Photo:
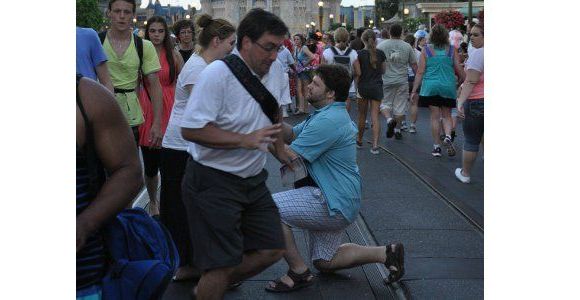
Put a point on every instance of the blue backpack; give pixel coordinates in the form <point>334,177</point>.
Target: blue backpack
<point>143,257</point>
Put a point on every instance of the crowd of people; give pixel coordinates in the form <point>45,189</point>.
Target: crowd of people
<point>206,107</point>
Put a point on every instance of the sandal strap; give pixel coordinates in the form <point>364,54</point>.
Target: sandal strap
<point>297,278</point>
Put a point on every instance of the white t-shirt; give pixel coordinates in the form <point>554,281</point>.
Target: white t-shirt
<point>219,97</point>
<point>329,58</point>
<point>189,75</point>
<point>285,58</point>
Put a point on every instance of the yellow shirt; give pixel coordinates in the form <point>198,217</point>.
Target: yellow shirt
<point>124,75</point>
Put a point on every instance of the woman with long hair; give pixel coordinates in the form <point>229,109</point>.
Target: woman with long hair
<point>303,57</point>
<point>470,105</point>
<point>171,62</point>
<point>436,73</point>
<point>368,70</point>
<point>185,33</point>
<point>216,38</point>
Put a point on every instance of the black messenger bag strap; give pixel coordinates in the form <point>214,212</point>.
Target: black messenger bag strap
<point>253,85</point>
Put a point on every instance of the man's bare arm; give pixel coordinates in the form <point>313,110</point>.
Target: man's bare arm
<point>104,77</point>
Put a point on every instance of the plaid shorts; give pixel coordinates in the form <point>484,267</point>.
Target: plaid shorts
<point>306,208</point>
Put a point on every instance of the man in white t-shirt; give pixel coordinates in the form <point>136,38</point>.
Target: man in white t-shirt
<point>234,222</point>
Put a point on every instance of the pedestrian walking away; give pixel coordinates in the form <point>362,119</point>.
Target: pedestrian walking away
<point>231,118</point>
<point>470,105</point>
<point>370,65</point>
<point>171,63</point>
<point>328,199</point>
<point>399,55</point>
<point>438,74</point>
<point>344,56</point>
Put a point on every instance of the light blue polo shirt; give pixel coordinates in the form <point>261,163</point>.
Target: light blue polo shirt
<point>326,140</point>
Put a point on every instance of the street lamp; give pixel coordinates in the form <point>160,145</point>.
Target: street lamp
<point>320,13</point>
<point>371,23</point>
<point>145,23</point>
<point>406,11</point>
<point>188,17</point>
<point>331,17</point>
<point>382,19</point>
<point>134,20</point>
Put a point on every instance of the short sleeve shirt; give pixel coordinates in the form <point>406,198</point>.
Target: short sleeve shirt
<point>399,56</point>
<point>326,140</point>
<point>124,75</point>
<point>285,58</point>
<point>188,76</point>
<point>475,62</point>
<point>218,97</point>
<point>90,52</point>
<point>329,58</point>
<point>368,74</point>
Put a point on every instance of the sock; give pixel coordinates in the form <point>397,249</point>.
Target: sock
<point>397,129</point>
<point>389,120</point>
<point>435,146</point>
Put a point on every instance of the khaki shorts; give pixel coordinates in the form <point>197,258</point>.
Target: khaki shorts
<point>395,98</point>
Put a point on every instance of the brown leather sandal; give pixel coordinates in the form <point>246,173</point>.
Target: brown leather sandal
<point>300,281</point>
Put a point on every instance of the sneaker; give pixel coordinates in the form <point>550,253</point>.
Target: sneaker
<point>436,152</point>
<point>391,128</point>
<point>412,129</point>
<point>460,176</point>
<point>359,145</point>
<point>284,114</point>
<point>398,135</point>
<point>375,151</point>
<point>449,146</point>
<point>404,126</point>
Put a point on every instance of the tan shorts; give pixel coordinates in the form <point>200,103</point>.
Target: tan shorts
<point>395,98</point>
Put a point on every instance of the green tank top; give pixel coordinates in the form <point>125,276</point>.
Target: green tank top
<point>439,78</point>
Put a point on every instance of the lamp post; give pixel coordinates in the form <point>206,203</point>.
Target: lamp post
<point>371,23</point>
<point>188,17</point>
<point>320,13</point>
<point>307,28</point>
<point>331,17</point>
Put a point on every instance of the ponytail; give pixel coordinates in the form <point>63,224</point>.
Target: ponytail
<point>368,38</point>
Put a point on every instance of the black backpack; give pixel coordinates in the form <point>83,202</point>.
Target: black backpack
<point>343,59</point>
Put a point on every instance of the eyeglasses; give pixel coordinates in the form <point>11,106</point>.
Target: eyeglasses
<point>271,47</point>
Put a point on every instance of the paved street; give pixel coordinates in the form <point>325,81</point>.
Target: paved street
<point>408,196</point>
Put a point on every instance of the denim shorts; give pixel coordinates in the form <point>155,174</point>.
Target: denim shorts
<point>473,124</point>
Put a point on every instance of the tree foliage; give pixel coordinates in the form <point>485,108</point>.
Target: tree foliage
<point>89,15</point>
<point>386,9</point>
<point>412,24</point>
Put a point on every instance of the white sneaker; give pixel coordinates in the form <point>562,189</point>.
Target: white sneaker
<point>412,128</point>
<point>460,176</point>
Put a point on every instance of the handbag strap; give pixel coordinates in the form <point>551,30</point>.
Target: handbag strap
<point>254,87</point>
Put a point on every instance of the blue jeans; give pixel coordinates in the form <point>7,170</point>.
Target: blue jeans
<point>473,124</point>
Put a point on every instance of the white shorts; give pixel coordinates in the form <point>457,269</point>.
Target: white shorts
<point>306,208</point>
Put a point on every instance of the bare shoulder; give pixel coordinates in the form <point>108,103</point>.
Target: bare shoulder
<point>96,99</point>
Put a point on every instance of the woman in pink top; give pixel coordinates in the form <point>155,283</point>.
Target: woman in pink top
<point>171,62</point>
<point>470,105</point>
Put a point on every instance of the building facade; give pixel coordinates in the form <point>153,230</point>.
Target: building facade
<point>295,13</point>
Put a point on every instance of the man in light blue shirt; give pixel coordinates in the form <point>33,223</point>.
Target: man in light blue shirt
<point>328,199</point>
<point>91,59</point>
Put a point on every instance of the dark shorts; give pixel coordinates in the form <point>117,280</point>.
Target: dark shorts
<point>228,215</point>
<point>151,160</point>
<point>426,101</point>
<point>370,91</point>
